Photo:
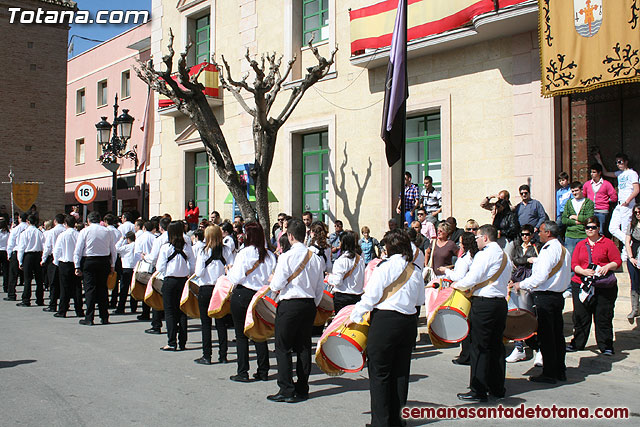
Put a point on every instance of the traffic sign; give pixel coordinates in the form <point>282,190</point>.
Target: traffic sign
<point>86,192</point>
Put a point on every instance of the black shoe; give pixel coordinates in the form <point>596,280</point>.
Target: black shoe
<point>60,315</point>
<point>542,379</point>
<point>472,396</point>
<point>141,317</point>
<point>50,309</point>
<point>85,322</point>
<point>498,395</point>
<point>571,349</point>
<point>203,361</point>
<point>79,313</point>
<point>182,347</point>
<point>458,361</point>
<point>260,377</point>
<point>168,348</point>
<point>104,321</point>
<point>240,378</point>
<point>607,352</point>
<point>23,304</point>
<point>301,396</point>
<point>40,303</point>
<point>10,299</point>
<point>295,399</point>
<point>222,359</point>
<point>279,397</point>
<point>153,331</point>
<point>562,377</point>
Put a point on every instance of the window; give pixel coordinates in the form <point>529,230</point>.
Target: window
<point>423,149</point>
<point>102,93</point>
<point>315,174</point>
<point>125,84</point>
<point>80,101</point>
<point>202,39</point>
<point>315,20</point>
<point>201,175</point>
<point>79,151</point>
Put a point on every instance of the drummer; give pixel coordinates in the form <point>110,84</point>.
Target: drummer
<point>392,330</point>
<point>347,277</point>
<point>487,280</point>
<point>320,246</point>
<point>549,278</point>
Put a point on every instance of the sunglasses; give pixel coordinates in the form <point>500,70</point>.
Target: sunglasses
<point>619,162</point>
<point>471,229</point>
<point>525,234</point>
<point>591,227</point>
<point>524,193</point>
<point>420,214</point>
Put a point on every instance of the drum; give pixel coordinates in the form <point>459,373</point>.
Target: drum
<point>219,306</point>
<point>153,294</point>
<point>368,271</point>
<point>112,279</point>
<point>521,319</point>
<point>189,299</point>
<point>449,323</point>
<point>139,280</point>
<point>325,308</point>
<point>342,349</point>
<point>259,323</point>
<point>266,307</point>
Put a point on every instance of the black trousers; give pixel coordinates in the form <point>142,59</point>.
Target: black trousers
<point>32,269</point>
<point>94,274</point>
<point>70,287</point>
<point>176,319</point>
<point>204,297</point>
<point>14,273</point>
<point>341,300</point>
<point>4,265</point>
<point>549,306</point>
<point>294,322</point>
<point>240,300</point>
<point>465,350</point>
<point>125,282</point>
<point>600,308</point>
<point>115,293</point>
<point>53,279</point>
<point>488,318</point>
<point>389,344</point>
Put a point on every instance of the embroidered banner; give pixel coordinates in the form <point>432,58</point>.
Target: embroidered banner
<point>587,44</point>
<point>25,195</point>
<point>372,26</point>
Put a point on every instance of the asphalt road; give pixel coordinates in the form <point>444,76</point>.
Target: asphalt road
<point>55,372</point>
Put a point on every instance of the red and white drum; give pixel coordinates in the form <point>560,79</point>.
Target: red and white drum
<point>448,322</point>
<point>266,308</point>
<point>325,308</point>
<point>521,319</point>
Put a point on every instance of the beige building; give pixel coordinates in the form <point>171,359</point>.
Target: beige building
<point>476,121</point>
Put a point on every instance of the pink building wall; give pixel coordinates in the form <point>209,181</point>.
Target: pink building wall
<point>106,61</point>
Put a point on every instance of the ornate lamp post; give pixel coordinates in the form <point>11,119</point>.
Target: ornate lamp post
<point>115,147</point>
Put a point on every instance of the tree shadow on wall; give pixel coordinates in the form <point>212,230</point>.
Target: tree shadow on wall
<point>350,216</point>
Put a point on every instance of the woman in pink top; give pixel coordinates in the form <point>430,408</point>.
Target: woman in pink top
<point>601,192</point>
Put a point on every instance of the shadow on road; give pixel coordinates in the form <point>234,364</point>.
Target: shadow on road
<point>14,363</point>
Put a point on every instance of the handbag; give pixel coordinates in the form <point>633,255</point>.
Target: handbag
<point>428,274</point>
<point>607,281</point>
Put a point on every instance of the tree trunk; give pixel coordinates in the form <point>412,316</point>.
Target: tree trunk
<point>263,140</point>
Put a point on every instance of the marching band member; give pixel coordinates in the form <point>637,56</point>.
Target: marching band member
<point>299,279</point>
<point>50,269</point>
<point>29,251</point>
<point>126,250</point>
<point>320,246</point>
<point>550,276</point>
<point>70,284</point>
<point>94,258</point>
<point>210,263</point>
<point>487,280</point>
<point>392,294</point>
<point>198,241</point>
<point>12,254</point>
<point>229,240</point>
<point>111,220</point>
<point>127,223</point>
<point>176,262</point>
<point>152,258</point>
<point>251,269</point>
<point>144,245</point>
<point>347,277</point>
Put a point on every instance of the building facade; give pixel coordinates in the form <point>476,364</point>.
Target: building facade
<point>476,121</point>
<point>95,77</point>
<point>32,115</point>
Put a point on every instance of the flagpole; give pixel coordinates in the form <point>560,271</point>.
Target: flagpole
<point>403,154</point>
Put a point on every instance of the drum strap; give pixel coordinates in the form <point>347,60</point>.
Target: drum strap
<point>355,264</point>
<point>176,253</point>
<point>415,256</point>
<point>558,266</point>
<point>430,263</point>
<point>397,284</point>
<point>251,270</point>
<point>216,254</point>
<point>301,267</point>
<point>491,279</point>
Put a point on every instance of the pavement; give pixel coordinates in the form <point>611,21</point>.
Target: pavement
<point>55,372</point>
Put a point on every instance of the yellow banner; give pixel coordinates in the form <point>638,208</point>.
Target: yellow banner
<point>587,44</point>
<point>25,195</point>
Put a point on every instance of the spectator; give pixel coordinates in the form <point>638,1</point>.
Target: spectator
<point>369,245</point>
<point>307,219</point>
<point>192,214</point>
<point>472,226</point>
<point>455,231</point>
<point>431,200</point>
<point>334,239</point>
<point>393,224</point>
<point>215,218</point>
<point>444,250</point>
<point>506,222</point>
<point>562,195</point>
<point>411,199</point>
<point>576,212</point>
<point>487,203</point>
<point>632,246</point>
<point>530,211</point>
<point>427,228</point>
<point>418,239</point>
<point>601,192</point>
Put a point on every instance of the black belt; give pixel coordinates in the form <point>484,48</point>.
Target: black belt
<point>487,298</point>
<point>547,293</point>
<point>97,257</point>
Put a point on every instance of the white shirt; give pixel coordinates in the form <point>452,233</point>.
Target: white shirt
<point>178,266</point>
<point>626,180</point>
<point>485,264</point>
<point>152,257</point>
<point>596,185</point>
<point>244,261</point>
<point>404,301</point>
<point>50,238</point>
<point>308,284</point>
<point>197,247</point>
<point>126,227</point>
<point>14,234</point>
<point>31,240</point>
<point>127,253</point>
<point>577,204</point>
<point>95,240</point>
<point>116,234</point>
<point>418,256</point>
<point>460,269</point>
<point>144,243</point>
<point>327,264</point>
<point>65,246</point>
<point>352,284</point>
<point>4,239</point>
<point>209,274</point>
<point>228,242</point>
<point>548,257</point>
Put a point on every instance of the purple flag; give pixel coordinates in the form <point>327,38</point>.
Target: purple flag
<point>396,90</point>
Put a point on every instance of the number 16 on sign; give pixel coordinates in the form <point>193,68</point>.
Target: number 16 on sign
<point>85,193</point>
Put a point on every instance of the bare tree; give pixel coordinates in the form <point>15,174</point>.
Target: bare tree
<point>187,94</point>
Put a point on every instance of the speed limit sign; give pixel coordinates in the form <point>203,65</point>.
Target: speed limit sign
<point>86,192</point>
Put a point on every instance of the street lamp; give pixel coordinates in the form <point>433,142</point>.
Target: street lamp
<point>115,147</point>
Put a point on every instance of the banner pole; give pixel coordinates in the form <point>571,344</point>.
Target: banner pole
<point>11,184</point>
